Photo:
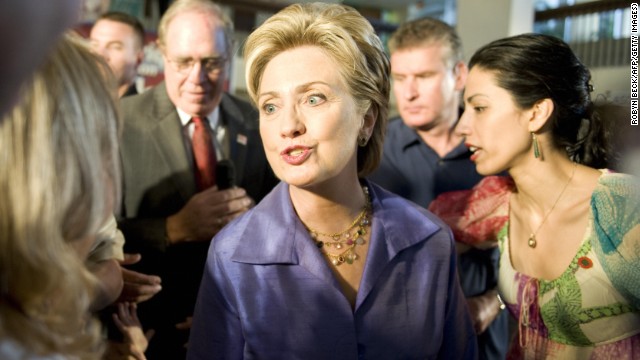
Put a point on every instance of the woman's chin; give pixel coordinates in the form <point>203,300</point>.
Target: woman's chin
<point>486,170</point>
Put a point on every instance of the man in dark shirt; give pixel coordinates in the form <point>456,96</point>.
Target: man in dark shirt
<point>424,157</point>
<point>414,170</point>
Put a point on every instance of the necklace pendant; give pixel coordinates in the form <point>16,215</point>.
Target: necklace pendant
<point>349,257</point>
<point>532,241</point>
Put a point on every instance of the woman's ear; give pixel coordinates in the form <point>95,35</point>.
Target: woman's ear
<point>369,122</point>
<point>540,114</point>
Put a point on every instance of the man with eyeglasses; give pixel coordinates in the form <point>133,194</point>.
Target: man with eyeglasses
<point>174,135</point>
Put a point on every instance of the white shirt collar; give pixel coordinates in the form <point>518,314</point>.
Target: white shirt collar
<point>213,117</point>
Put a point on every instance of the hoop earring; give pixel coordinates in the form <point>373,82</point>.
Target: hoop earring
<point>536,146</point>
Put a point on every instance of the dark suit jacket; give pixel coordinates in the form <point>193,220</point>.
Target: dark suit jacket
<point>158,181</point>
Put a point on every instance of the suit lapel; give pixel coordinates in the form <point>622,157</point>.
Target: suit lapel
<point>238,134</point>
<point>168,139</point>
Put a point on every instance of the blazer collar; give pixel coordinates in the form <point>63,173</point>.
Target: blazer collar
<point>164,108</point>
<point>166,131</point>
<point>274,234</point>
<point>238,130</point>
<point>271,231</point>
<point>167,124</point>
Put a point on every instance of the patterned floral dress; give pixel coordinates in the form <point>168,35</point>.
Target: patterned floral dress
<point>592,310</point>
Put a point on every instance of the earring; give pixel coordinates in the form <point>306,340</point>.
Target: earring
<point>536,147</point>
<point>362,141</point>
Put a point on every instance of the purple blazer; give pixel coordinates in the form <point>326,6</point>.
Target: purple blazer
<point>268,293</point>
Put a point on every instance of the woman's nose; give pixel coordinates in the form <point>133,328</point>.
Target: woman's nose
<point>292,122</point>
<point>462,127</point>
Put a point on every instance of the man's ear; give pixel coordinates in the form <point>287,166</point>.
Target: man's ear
<point>460,71</point>
<point>540,114</point>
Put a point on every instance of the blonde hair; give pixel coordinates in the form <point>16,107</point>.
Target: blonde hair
<point>206,6</point>
<point>346,37</point>
<point>425,32</point>
<point>59,179</point>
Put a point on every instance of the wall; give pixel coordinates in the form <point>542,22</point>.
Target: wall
<point>479,24</point>
<point>612,82</point>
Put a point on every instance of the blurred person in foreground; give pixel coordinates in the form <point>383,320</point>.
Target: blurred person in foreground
<point>570,248</point>
<point>30,28</point>
<point>424,157</point>
<point>175,135</point>
<point>59,181</point>
<point>328,265</point>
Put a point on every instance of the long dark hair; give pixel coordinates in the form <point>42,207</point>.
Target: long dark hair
<point>532,67</point>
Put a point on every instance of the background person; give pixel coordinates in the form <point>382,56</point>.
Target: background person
<point>171,210</point>
<point>119,38</point>
<point>424,157</point>
<point>328,265</point>
<point>570,250</point>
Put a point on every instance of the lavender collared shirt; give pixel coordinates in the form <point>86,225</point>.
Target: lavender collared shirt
<point>268,293</point>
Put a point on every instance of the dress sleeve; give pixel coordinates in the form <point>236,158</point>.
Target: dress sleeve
<point>616,220</point>
<point>476,215</point>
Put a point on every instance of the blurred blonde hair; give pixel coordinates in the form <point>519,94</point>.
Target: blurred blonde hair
<point>346,37</point>
<point>59,179</point>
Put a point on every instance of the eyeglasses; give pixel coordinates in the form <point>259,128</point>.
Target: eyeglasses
<point>211,65</point>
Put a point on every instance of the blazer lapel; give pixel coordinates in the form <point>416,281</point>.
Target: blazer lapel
<point>238,134</point>
<point>282,238</point>
<point>396,226</point>
<point>168,139</point>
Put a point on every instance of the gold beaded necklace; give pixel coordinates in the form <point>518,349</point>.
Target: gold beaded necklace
<point>346,240</point>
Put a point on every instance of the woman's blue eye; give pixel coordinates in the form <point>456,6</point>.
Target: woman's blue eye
<point>315,99</point>
<point>269,108</point>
